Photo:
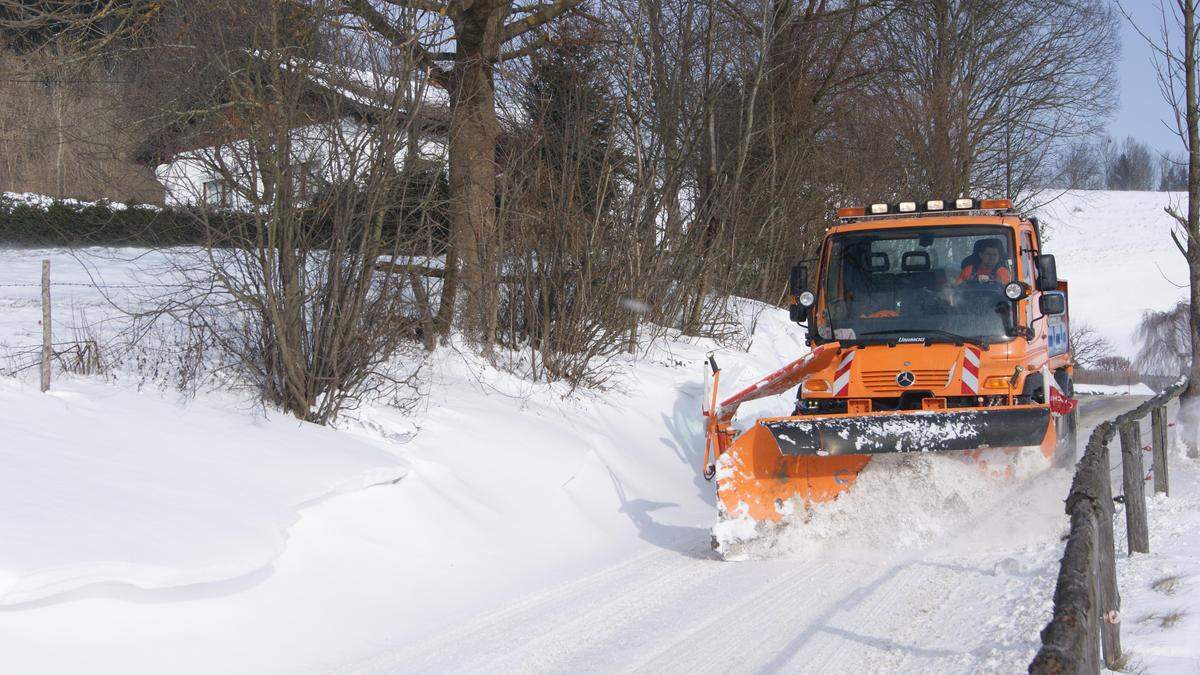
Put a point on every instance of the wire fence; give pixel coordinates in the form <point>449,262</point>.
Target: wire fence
<point>82,284</point>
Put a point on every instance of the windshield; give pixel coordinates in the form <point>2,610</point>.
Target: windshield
<point>921,282</point>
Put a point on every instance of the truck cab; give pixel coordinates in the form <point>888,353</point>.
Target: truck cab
<point>937,305</point>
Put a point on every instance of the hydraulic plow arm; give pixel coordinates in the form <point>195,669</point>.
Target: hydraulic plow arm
<point>779,381</point>
<point>717,435</point>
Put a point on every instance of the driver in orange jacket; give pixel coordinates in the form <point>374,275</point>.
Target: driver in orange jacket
<point>984,266</point>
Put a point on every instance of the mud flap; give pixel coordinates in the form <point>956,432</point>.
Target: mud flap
<point>910,432</point>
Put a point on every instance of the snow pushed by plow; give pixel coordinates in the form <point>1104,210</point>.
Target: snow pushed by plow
<point>899,502</point>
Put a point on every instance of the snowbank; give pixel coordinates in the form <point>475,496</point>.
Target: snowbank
<point>105,485</point>
<point>1138,389</point>
<point>1160,590</point>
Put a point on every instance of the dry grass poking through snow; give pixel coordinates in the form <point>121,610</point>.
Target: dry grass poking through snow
<point>1167,620</point>
<point>1168,585</point>
<point>1128,664</point>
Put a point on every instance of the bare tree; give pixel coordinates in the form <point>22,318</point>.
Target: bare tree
<point>1166,341</point>
<point>1088,347</point>
<point>312,164</point>
<point>483,34</point>
<point>1114,364</point>
<point>982,94</point>
<point>1131,167</point>
<point>1172,173</point>
<point>1081,167</point>
<point>1175,49</point>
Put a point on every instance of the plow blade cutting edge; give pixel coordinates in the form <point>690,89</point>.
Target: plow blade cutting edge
<point>878,433</point>
<point>816,458</point>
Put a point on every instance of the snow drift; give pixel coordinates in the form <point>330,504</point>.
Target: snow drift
<point>105,485</point>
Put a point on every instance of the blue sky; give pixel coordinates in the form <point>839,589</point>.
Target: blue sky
<point>1142,108</point>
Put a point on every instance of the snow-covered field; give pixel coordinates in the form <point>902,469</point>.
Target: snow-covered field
<point>1115,250</point>
<point>503,526</point>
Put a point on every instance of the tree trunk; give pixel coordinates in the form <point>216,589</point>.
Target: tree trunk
<point>473,134</point>
<point>1191,397</point>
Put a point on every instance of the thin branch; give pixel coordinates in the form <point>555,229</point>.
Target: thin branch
<point>547,13</point>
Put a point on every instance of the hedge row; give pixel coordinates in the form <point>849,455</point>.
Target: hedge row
<point>83,224</point>
<point>70,223</point>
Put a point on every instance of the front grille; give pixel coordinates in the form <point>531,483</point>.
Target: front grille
<point>885,380</point>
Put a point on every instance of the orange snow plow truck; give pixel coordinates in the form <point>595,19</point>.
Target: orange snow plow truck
<point>935,327</point>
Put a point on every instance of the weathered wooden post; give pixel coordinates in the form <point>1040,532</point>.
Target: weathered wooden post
<point>1158,438</point>
<point>1110,597</point>
<point>47,333</point>
<point>1091,656</point>
<point>1134,474</point>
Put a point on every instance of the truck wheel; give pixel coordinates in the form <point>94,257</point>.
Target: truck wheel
<point>1067,429</point>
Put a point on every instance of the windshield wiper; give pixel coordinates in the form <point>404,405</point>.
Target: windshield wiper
<point>959,339</point>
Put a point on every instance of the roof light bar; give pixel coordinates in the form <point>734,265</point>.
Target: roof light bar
<point>958,204</point>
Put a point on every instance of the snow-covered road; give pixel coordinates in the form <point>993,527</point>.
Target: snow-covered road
<point>972,600</point>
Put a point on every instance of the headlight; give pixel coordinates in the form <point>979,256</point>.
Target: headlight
<point>877,209</point>
<point>807,299</point>
<point>935,205</point>
<point>907,207</point>
<point>964,203</point>
<point>1014,291</point>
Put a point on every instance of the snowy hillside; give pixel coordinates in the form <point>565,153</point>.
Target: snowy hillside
<point>1115,250</point>
<point>504,526</point>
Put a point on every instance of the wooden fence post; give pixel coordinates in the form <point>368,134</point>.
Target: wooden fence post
<point>1110,597</point>
<point>47,333</point>
<point>1134,474</point>
<point>1158,434</point>
<point>1095,617</point>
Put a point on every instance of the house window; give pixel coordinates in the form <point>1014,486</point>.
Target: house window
<point>216,193</point>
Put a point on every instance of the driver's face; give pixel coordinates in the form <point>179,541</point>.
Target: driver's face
<point>989,257</point>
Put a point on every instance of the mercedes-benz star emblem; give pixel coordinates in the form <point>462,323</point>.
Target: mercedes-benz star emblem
<point>905,379</point>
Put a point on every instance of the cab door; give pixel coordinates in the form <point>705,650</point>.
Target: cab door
<point>1028,251</point>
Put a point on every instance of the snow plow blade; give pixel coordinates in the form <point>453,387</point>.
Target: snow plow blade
<point>781,461</point>
<point>920,431</point>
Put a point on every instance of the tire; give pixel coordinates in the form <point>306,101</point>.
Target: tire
<point>1067,432</point>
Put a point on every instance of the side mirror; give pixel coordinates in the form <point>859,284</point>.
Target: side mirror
<point>1053,303</point>
<point>798,279</point>
<point>1047,273</point>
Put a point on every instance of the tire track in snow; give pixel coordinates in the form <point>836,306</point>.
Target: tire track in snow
<point>489,638</point>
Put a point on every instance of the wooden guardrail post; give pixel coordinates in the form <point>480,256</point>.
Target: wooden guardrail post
<point>1110,597</point>
<point>1091,655</point>
<point>1134,474</point>
<point>1070,642</point>
<point>1158,439</point>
